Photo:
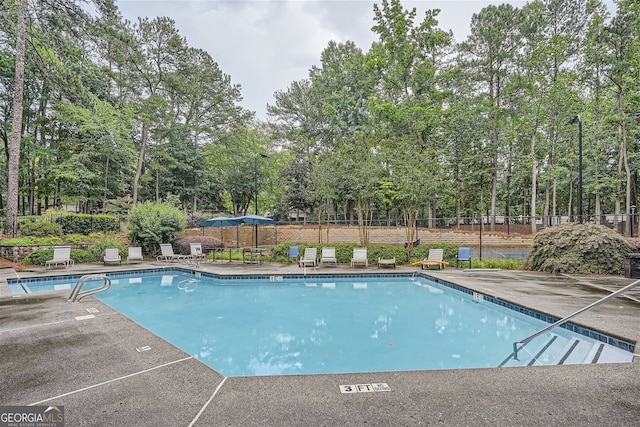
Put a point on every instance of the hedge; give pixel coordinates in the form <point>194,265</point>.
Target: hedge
<point>85,224</point>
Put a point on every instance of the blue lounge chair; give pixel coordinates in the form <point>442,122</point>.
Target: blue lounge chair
<point>464,255</point>
<point>293,253</point>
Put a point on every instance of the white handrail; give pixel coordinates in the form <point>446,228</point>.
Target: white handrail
<point>569,317</point>
<point>77,293</point>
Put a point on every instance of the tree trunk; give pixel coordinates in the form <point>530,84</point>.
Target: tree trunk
<point>534,184</point>
<point>11,225</point>
<point>143,145</point>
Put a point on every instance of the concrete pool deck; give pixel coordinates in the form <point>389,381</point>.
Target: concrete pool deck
<point>85,356</point>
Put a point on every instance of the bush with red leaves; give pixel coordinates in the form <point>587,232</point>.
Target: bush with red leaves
<point>183,244</point>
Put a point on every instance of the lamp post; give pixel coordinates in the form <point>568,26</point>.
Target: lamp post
<point>508,207</point>
<point>578,120</point>
<point>255,183</point>
<point>633,214</point>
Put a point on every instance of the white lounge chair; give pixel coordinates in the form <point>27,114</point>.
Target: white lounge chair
<point>309,257</point>
<point>359,257</point>
<point>196,252</point>
<point>61,256</point>
<point>134,254</point>
<point>167,253</point>
<point>390,262</point>
<point>434,259</point>
<point>328,256</point>
<point>112,256</point>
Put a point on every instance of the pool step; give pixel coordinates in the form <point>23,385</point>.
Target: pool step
<point>557,350</point>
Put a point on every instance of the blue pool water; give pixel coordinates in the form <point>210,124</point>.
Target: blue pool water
<point>305,325</point>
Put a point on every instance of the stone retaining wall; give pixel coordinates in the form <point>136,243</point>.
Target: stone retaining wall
<point>243,235</point>
<point>19,253</point>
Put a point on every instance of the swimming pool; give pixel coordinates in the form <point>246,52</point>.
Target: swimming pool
<point>279,325</point>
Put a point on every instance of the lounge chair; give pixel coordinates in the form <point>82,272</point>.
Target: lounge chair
<point>112,256</point>
<point>293,253</point>
<point>61,256</point>
<point>167,253</point>
<point>134,254</point>
<point>196,252</point>
<point>309,257</point>
<point>433,259</point>
<point>387,262</point>
<point>464,255</point>
<point>328,256</point>
<point>359,257</point>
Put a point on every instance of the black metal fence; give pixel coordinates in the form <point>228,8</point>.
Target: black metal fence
<point>500,223</point>
<point>8,226</point>
<point>523,225</point>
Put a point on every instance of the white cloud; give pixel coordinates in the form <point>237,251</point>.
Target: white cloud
<point>265,45</point>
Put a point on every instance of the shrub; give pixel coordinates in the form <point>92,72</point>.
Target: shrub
<point>32,241</point>
<point>183,244</point>
<point>151,224</point>
<point>118,207</point>
<point>76,239</point>
<point>102,241</point>
<point>41,256</point>
<point>344,251</point>
<point>83,223</point>
<point>501,263</point>
<point>384,251</point>
<point>41,229</point>
<point>578,249</point>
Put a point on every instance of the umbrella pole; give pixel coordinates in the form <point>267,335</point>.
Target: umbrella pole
<point>256,234</point>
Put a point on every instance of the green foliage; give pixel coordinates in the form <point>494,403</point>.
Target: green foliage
<point>118,207</point>
<point>578,249</point>
<point>40,229</point>
<point>105,241</point>
<point>76,239</point>
<point>151,224</point>
<point>344,251</point>
<point>32,241</point>
<point>82,223</point>
<point>386,252</point>
<point>196,218</point>
<point>501,263</point>
<point>173,200</point>
<point>41,256</point>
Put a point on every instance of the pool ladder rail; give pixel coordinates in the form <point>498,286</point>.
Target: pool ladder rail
<point>77,293</point>
<point>518,345</point>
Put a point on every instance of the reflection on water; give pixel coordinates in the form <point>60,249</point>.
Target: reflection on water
<point>345,325</point>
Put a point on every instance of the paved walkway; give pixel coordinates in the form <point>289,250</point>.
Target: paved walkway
<point>53,353</point>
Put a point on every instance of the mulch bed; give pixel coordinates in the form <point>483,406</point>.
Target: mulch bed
<point>5,263</point>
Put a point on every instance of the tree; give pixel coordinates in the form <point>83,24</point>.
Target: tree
<point>624,62</point>
<point>405,62</point>
<point>13,163</point>
<point>151,224</point>
<point>490,51</point>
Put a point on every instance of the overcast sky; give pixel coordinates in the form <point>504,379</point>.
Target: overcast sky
<point>264,45</point>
